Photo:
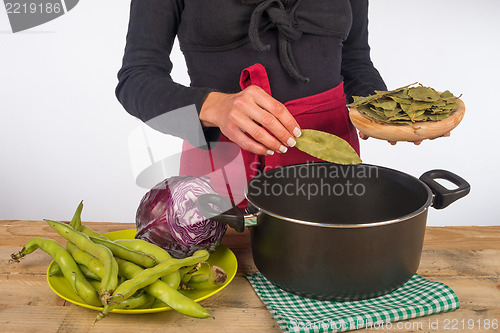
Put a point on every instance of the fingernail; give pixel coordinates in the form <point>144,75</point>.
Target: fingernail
<point>291,142</point>
<point>270,152</point>
<point>297,132</point>
<point>283,149</point>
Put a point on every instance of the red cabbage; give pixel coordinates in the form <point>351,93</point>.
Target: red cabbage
<point>168,217</point>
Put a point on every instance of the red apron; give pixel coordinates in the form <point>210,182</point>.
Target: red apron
<point>230,168</point>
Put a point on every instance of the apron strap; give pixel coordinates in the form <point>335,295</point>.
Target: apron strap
<point>255,75</point>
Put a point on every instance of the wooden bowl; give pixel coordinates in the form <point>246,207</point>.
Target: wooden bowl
<point>405,132</point>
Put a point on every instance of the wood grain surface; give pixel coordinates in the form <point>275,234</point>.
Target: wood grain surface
<point>465,258</point>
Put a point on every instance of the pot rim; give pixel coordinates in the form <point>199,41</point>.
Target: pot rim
<point>423,208</point>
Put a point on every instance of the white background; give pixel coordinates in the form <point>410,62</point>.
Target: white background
<point>64,137</point>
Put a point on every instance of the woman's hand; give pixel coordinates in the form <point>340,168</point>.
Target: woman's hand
<point>253,112</point>
<point>365,137</point>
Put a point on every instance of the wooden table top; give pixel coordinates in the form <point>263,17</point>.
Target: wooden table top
<point>465,258</point>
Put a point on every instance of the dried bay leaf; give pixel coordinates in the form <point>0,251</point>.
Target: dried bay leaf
<point>451,106</point>
<point>408,104</point>
<point>378,110</point>
<point>385,104</point>
<point>391,113</point>
<point>383,93</point>
<point>401,116</point>
<point>419,105</point>
<point>400,100</point>
<point>371,112</point>
<point>362,100</point>
<point>439,103</point>
<point>418,115</point>
<point>405,107</point>
<point>424,94</point>
<point>447,95</point>
<point>402,94</point>
<point>326,146</point>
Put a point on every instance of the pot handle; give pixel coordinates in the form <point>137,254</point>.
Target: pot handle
<point>231,215</point>
<point>443,196</point>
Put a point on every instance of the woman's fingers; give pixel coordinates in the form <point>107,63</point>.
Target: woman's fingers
<point>258,123</point>
<point>274,116</point>
<point>247,143</point>
<point>252,119</point>
<point>244,124</point>
<point>263,136</point>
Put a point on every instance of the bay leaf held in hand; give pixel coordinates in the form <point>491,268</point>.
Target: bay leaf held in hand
<point>326,146</point>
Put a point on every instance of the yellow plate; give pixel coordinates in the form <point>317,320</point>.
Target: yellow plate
<point>222,257</point>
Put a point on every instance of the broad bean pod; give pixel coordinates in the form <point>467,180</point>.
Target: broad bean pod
<point>89,274</point>
<point>173,279</point>
<point>140,300</point>
<point>160,290</point>
<point>86,259</point>
<point>206,277</point>
<point>164,293</point>
<point>91,232</point>
<point>69,267</point>
<point>123,252</point>
<point>149,276</point>
<point>76,221</point>
<point>55,269</point>
<point>109,281</point>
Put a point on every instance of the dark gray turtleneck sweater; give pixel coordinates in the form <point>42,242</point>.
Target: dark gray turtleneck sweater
<point>306,46</point>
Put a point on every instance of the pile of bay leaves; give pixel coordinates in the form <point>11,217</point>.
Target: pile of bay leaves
<point>407,104</point>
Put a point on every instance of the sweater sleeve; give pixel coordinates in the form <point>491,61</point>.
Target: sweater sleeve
<point>145,87</point>
<point>361,78</point>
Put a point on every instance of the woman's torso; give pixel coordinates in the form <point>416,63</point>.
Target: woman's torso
<point>214,37</point>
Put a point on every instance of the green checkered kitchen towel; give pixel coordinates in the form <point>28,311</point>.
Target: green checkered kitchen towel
<point>416,298</point>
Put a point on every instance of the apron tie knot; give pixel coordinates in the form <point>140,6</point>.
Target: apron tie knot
<point>288,32</point>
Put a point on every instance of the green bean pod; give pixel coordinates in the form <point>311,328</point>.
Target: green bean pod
<point>173,279</point>
<point>55,269</point>
<point>206,277</point>
<point>69,268</point>
<point>91,232</point>
<point>86,259</point>
<point>123,252</point>
<point>202,282</point>
<point>149,276</point>
<point>187,272</point>
<point>76,221</point>
<point>109,281</point>
<point>140,300</point>
<point>158,303</point>
<point>149,304</point>
<point>164,293</point>
<point>89,274</point>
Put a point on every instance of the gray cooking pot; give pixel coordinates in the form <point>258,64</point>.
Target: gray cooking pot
<point>337,232</point>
